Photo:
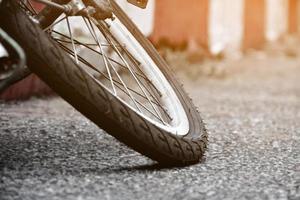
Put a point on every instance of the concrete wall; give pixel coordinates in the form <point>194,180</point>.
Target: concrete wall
<point>298,16</point>
<point>254,23</point>
<point>181,21</point>
<point>293,7</point>
<point>228,25</point>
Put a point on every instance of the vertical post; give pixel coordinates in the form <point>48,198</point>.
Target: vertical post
<point>226,26</point>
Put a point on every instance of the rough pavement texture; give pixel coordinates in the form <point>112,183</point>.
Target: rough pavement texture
<point>49,151</point>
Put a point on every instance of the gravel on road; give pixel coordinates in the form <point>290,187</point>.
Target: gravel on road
<point>50,151</point>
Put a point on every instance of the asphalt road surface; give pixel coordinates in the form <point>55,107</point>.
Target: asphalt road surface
<point>50,151</point>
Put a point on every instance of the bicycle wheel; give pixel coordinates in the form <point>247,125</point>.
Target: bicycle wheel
<point>112,74</point>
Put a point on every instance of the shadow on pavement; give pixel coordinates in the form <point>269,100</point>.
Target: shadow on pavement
<point>54,156</point>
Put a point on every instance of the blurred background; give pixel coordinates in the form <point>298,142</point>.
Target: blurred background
<point>207,37</point>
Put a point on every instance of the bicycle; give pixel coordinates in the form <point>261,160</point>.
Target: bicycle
<point>92,55</point>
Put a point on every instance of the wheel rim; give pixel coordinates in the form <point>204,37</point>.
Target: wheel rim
<point>110,54</point>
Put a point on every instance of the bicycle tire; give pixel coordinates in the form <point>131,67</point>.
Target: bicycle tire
<point>59,71</point>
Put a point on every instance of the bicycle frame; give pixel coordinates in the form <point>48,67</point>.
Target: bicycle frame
<point>75,7</point>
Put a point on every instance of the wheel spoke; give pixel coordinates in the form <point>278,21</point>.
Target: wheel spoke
<point>73,45</point>
<point>84,61</point>
<point>80,43</point>
<point>119,84</point>
<point>112,66</point>
<point>137,64</point>
<point>86,46</point>
<point>93,33</point>
<point>134,76</point>
<point>128,92</point>
<point>148,91</point>
<point>146,79</point>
